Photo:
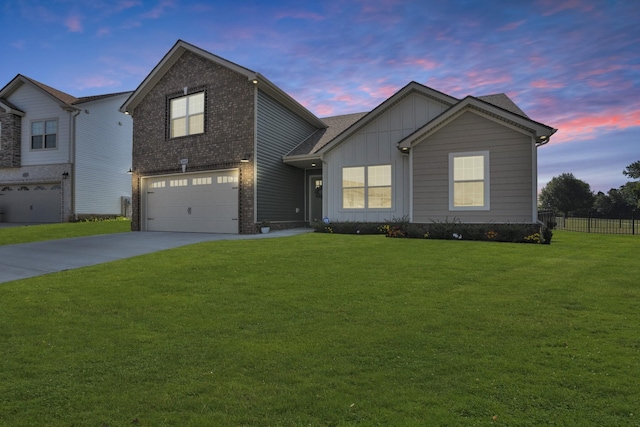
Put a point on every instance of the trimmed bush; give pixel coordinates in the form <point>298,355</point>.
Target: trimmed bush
<point>443,230</point>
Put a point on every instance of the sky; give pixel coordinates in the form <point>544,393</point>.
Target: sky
<point>570,64</point>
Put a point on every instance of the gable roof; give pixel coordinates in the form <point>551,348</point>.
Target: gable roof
<point>540,131</point>
<point>412,87</point>
<point>65,100</point>
<point>180,47</point>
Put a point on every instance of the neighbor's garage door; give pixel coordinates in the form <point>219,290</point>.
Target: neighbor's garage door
<point>31,203</point>
<point>203,202</point>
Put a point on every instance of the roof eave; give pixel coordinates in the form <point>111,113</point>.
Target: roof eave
<point>540,132</point>
<point>306,161</point>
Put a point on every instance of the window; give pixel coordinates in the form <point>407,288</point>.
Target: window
<point>368,187</point>
<point>469,181</point>
<point>201,181</point>
<point>187,115</point>
<point>44,134</point>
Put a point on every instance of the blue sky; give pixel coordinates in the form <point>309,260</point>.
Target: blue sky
<point>571,64</point>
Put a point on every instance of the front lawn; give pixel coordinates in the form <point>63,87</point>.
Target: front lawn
<point>36,233</point>
<point>323,329</point>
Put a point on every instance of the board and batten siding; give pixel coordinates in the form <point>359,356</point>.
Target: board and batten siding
<point>39,106</point>
<point>511,176</point>
<point>376,144</point>
<point>280,187</point>
<point>103,157</point>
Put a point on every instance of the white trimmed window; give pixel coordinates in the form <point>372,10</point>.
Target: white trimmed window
<point>44,134</point>
<point>366,186</point>
<point>187,115</point>
<point>469,181</point>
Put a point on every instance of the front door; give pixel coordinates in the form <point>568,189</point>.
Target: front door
<point>315,198</point>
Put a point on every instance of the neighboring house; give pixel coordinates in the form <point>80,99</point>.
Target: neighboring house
<point>62,157</point>
<point>218,148</point>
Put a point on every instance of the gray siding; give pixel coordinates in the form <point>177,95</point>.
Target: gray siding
<point>280,187</point>
<point>376,144</point>
<point>511,175</point>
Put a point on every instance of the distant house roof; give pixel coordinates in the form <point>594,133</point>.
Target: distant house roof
<point>61,97</point>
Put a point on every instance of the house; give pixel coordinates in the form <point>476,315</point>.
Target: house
<point>62,157</point>
<point>218,148</point>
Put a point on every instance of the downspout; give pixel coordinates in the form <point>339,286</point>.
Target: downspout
<point>72,158</point>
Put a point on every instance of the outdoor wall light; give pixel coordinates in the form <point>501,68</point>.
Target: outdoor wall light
<point>130,171</point>
<point>246,158</point>
<point>313,165</point>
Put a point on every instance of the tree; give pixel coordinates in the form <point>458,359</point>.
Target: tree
<point>633,170</point>
<point>616,203</point>
<point>566,193</point>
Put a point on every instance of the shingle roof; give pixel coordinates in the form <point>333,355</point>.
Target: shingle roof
<point>335,126</point>
<point>503,101</point>
<point>97,97</point>
<point>70,99</point>
<point>58,94</point>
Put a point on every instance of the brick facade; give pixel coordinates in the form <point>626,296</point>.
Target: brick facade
<point>228,137</point>
<point>10,133</point>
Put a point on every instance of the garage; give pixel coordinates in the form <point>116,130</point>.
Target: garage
<point>31,203</point>
<point>204,202</point>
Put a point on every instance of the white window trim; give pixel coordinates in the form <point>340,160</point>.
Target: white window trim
<point>187,114</point>
<point>487,184</point>
<point>366,189</point>
<point>44,124</point>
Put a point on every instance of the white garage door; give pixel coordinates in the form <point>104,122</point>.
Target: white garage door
<point>31,203</point>
<point>202,202</point>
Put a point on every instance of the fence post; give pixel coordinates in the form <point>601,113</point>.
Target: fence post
<point>633,222</point>
<point>589,223</point>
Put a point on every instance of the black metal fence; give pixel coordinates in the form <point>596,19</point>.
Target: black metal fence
<point>593,223</point>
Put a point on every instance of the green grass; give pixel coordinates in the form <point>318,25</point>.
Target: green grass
<point>330,330</point>
<point>36,233</point>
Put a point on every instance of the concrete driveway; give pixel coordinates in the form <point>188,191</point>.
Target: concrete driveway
<point>34,259</point>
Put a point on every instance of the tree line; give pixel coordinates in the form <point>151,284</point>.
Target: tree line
<point>566,193</point>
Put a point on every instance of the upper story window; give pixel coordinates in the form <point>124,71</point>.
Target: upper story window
<point>469,181</point>
<point>187,115</point>
<point>44,134</point>
<point>366,186</point>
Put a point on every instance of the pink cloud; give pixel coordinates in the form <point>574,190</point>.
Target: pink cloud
<point>126,4</point>
<point>422,63</point>
<point>104,31</point>
<point>551,7</point>
<point>159,9</point>
<point>73,23</point>
<point>599,71</point>
<point>511,26</point>
<point>545,84</point>
<point>593,125</point>
<point>19,44</point>
<point>477,79</point>
<point>97,81</point>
